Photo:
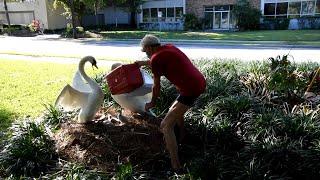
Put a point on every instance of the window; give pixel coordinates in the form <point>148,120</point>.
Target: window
<point>222,8</point>
<point>318,7</point>
<point>170,14</point>
<point>307,7</point>
<point>162,13</point>
<point>269,8</point>
<point>154,14</point>
<point>208,17</point>
<point>291,8</point>
<point>294,8</point>
<point>179,13</point>
<point>145,15</point>
<point>282,9</point>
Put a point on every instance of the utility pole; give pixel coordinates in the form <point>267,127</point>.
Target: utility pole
<point>7,15</point>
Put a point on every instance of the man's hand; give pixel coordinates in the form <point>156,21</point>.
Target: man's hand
<point>149,106</point>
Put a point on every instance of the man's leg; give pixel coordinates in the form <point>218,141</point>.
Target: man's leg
<point>182,130</point>
<point>175,113</point>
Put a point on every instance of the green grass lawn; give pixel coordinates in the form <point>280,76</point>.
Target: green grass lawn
<point>26,86</point>
<point>276,35</point>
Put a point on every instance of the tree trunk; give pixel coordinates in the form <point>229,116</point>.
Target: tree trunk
<point>133,19</point>
<point>74,30</point>
<point>7,15</point>
<point>96,13</point>
<point>115,13</point>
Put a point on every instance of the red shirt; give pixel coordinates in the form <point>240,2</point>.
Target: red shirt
<point>172,63</point>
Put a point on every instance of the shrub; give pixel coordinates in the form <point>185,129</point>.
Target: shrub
<point>69,31</point>
<point>30,151</point>
<point>242,10</point>
<point>285,80</point>
<point>309,22</point>
<point>191,22</point>
<point>275,24</point>
<point>73,171</point>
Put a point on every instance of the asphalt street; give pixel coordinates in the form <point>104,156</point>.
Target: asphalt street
<point>53,47</point>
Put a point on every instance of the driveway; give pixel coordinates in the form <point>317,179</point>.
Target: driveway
<point>53,46</point>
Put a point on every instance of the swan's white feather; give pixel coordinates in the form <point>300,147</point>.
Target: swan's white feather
<point>87,97</point>
<point>70,98</point>
<point>79,84</point>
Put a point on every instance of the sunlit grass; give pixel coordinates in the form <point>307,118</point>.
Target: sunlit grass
<point>26,86</point>
<point>275,35</point>
<point>61,55</point>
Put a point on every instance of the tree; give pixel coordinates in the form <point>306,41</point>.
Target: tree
<point>74,9</point>
<point>248,18</point>
<point>7,15</point>
<point>96,5</point>
<point>133,6</point>
<point>74,30</point>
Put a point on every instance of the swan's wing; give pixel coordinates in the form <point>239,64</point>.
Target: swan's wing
<point>79,84</point>
<point>71,99</point>
<point>146,86</point>
<point>133,103</point>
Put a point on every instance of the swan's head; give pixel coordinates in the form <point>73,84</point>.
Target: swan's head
<point>91,59</point>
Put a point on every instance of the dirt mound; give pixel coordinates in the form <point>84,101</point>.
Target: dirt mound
<point>113,139</point>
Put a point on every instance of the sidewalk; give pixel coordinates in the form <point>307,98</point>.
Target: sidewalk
<point>129,50</point>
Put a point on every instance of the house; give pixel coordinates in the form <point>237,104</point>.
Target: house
<point>108,16</point>
<point>166,14</point>
<point>24,12</point>
<point>162,15</point>
<point>217,14</point>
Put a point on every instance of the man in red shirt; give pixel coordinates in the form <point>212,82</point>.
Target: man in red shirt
<point>167,60</point>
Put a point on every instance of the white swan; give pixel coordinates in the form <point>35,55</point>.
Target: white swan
<point>136,100</point>
<point>87,97</point>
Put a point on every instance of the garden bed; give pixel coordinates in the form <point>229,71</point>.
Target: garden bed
<point>251,123</point>
<point>105,142</point>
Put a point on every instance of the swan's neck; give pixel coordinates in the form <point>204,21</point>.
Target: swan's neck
<point>91,82</point>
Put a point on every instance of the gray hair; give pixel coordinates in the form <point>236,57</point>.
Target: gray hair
<point>150,40</point>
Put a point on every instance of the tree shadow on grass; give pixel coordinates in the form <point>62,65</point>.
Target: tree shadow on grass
<point>6,118</point>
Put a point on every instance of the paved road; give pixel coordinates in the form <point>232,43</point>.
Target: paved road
<point>52,45</point>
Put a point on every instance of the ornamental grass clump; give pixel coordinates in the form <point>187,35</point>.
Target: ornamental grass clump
<point>253,115</point>
<point>73,171</point>
<point>29,151</point>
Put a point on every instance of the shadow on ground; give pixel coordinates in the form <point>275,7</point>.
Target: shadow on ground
<point>6,118</point>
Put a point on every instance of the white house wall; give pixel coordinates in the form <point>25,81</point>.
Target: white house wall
<point>163,4</point>
<point>55,18</point>
<point>22,13</point>
<point>116,16</point>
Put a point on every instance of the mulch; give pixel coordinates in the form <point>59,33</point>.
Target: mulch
<point>114,139</point>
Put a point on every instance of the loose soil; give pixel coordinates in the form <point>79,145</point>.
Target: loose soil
<point>115,138</point>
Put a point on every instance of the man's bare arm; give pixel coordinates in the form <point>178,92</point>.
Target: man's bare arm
<point>155,93</point>
<point>155,89</point>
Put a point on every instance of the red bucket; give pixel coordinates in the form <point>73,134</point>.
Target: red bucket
<point>124,79</point>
